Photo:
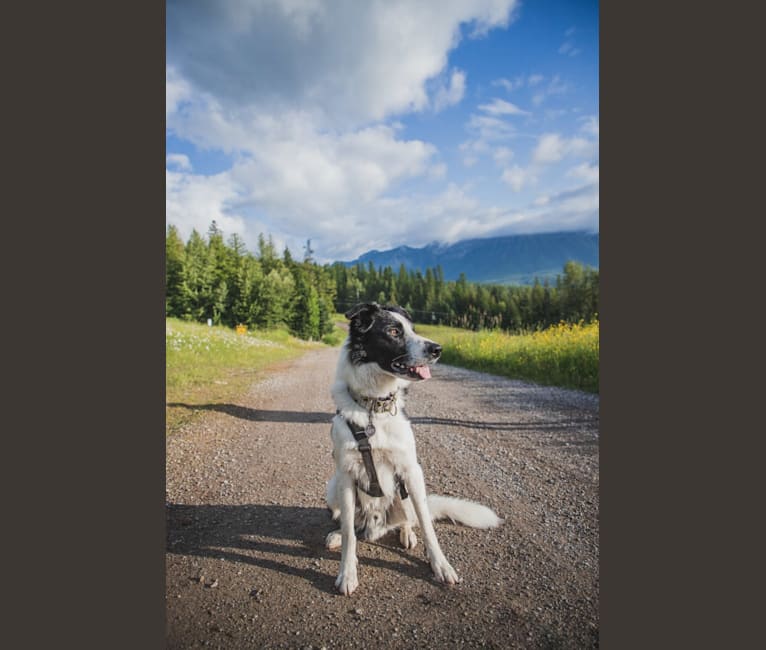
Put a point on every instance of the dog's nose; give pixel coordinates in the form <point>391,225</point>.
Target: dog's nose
<point>435,350</point>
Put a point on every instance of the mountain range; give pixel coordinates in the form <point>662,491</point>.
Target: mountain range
<point>513,259</point>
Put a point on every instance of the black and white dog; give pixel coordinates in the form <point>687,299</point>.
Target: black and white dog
<point>378,484</point>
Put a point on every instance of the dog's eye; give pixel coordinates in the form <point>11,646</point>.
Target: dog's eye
<point>394,332</point>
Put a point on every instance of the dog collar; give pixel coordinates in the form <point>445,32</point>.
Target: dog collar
<point>377,404</point>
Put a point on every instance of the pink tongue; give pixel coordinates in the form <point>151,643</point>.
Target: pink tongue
<point>423,371</point>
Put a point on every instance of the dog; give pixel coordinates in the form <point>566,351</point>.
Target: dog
<point>378,484</point>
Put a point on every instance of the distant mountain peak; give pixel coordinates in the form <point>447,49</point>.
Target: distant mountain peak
<point>509,259</point>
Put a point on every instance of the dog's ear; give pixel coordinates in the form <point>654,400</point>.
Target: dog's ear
<point>399,310</point>
<point>363,315</point>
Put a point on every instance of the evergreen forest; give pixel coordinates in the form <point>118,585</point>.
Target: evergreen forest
<point>210,277</point>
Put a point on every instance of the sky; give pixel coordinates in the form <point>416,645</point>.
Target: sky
<point>372,124</point>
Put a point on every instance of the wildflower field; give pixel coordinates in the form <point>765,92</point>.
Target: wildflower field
<point>563,355</point>
<point>212,364</point>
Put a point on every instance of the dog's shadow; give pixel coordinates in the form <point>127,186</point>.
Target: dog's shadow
<point>285,539</point>
<point>313,417</point>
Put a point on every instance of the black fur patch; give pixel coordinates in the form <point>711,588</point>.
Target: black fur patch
<point>377,336</point>
<point>369,338</point>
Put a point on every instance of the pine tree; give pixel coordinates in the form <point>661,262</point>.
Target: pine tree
<point>175,259</point>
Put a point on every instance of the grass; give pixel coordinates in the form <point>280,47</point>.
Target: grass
<point>563,355</point>
<point>206,365</point>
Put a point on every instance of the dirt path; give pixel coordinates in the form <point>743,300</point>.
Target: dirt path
<point>246,564</point>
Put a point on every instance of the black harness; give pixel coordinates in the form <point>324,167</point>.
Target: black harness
<point>362,436</point>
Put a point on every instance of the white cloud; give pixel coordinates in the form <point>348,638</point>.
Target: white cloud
<point>302,95</point>
<point>438,171</point>
<point>568,46</point>
<point>509,84</point>
<point>555,87</point>
<point>193,201</point>
<point>322,173</point>
<point>296,93</point>
<point>590,125</point>
<point>575,209</point>
<point>347,62</point>
<point>490,129</point>
<point>485,130</point>
<point>517,177</point>
<point>502,107</point>
<point>179,161</point>
<point>447,96</point>
<point>177,91</point>
<point>552,147</point>
<point>310,182</point>
<point>585,172</point>
<point>519,82</point>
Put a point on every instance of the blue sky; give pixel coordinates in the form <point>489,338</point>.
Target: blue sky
<point>366,125</point>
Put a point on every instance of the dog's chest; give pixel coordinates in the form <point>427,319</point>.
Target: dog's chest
<point>390,446</point>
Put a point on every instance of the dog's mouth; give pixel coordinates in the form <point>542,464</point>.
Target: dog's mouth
<point>417,373</point>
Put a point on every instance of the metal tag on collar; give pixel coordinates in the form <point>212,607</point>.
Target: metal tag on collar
<point>369,430</point>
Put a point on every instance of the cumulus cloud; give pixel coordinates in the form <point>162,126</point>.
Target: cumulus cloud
<point>346,61</point>
<point>177,90</point>
<point>517,177</point>
<point>452,94</point>
<point>552,147</point>
<point>302,95</point>
<point>485,131</point>
<point>193,201</point>
<point>502,107</point>
<point>179,161</point>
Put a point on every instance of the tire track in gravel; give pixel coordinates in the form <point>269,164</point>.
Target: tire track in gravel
<point>246,565</point>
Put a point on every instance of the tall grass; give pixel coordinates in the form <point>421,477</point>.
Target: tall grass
<point>563,355</point>
<point>207,365</point>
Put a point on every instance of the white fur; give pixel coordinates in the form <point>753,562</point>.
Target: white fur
<point>393,452</point>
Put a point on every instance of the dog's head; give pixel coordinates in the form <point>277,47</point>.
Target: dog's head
<point>384,335</point>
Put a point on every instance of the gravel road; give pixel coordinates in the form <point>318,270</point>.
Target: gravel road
<point>246,565</point>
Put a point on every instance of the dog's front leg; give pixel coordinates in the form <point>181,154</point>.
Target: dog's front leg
<point>417,488</point>
<point>347,580</point>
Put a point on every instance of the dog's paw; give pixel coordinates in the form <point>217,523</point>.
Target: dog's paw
<point>444,572</point>
<point>347,581</point>
<point>333,541</point>
<point>407,537</point>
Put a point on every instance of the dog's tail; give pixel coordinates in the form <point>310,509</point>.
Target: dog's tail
<point>468,513</point>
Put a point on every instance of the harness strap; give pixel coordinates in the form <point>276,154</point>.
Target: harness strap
<point>364,447</point>
<point>363,444</point>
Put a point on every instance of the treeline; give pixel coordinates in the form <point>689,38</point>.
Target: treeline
<point>207,277</point>
<point>430,299</point>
